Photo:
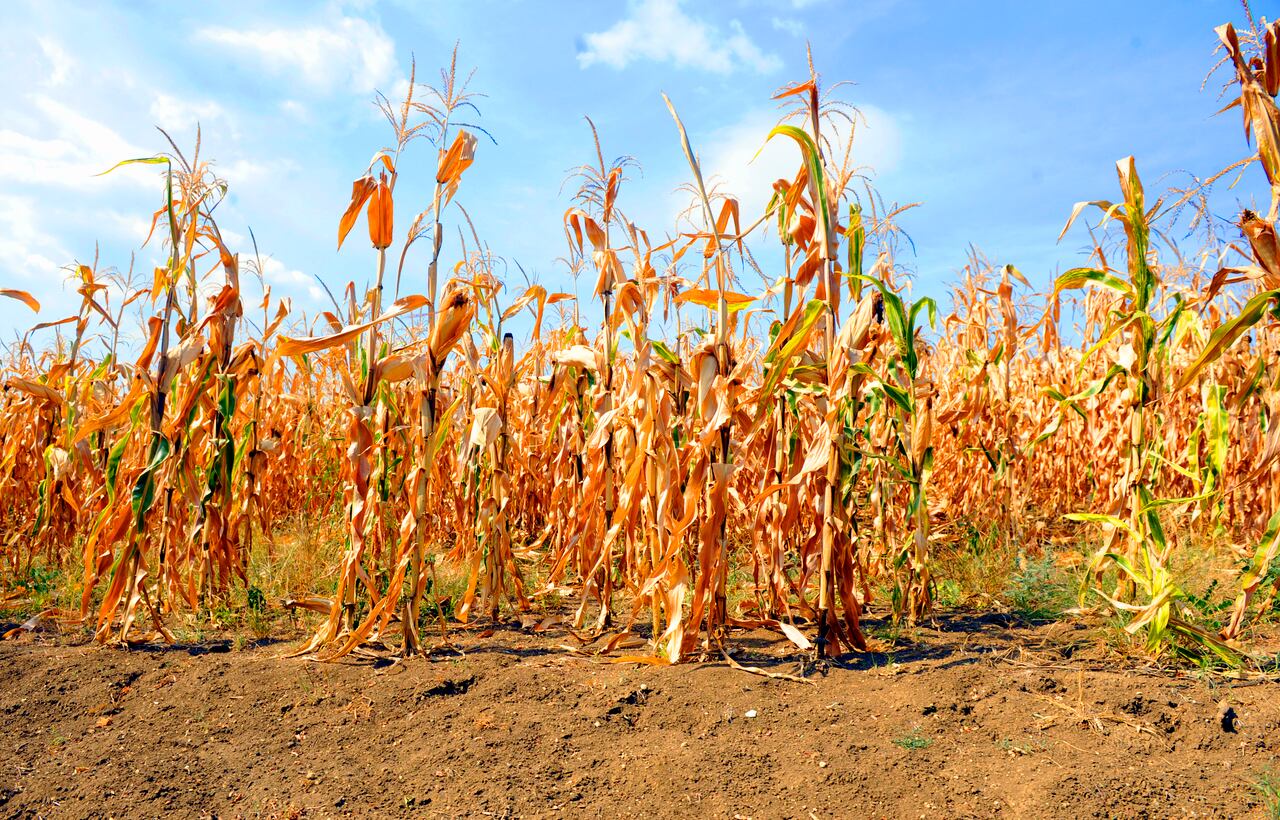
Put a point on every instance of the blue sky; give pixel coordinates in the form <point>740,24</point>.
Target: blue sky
<point>996,116</point>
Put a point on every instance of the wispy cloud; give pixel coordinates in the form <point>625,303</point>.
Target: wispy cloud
<point>790,25</point>
<point>348,52</point>
<point>243,171</point>
<point>288,282</point>
<point>731,159</point>
<point>26,251</point>
<point>170,112</point>
<point>73,148</point>
<point>133,228</point>
<point>60,62</point>
<point>278,273</point>
<point>295,109</point>
<point>661,31</point>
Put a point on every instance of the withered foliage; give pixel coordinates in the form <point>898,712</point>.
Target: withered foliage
<point>817,460</point>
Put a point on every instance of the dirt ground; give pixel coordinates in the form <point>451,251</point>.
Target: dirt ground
<point>972,717</point>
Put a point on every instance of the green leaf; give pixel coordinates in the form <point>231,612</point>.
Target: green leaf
<point>664,352</point>
<point>1258,564</point>
<point>1049,431</point>
<point>856,235</point>
<point>896,317</point>
<point>1077,278</point>
<point>144,489</point>
<point>156,160</point>
<point>780,357</point>
<point>1151,512</point>
<point>921,304</point>
<point>1100,518</point>
<point>1124,565</point>
<point>117,450</point>
<point>1226,334</point>
<point>897,395</point>
<point>813,161</point>
<point>1089,392</point>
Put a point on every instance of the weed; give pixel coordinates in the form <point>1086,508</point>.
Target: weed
<point>1037,592</point>
<point>913,741</point>
<point>1267,784</point>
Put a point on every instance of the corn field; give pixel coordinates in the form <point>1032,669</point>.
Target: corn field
<point>713,454</point>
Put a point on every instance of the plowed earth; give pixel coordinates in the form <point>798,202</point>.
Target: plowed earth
<point>972,717</point>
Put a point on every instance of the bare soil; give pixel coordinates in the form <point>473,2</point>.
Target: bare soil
<point>972,717</point>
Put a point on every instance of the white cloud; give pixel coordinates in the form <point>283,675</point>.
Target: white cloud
<point>131,227</point>
<point>295,109</point>
<point>26,252</point>
<point>173,113</point>
<point>76,149</point>
<point>728,159</point>
<point>60,62</point>
<point>790,25</point>
<point>659,30</point>
<point>241,172</point>
<point>276,272</point>
<point>348,51</point>
<point>284,282</point>
<point>180,117</point>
